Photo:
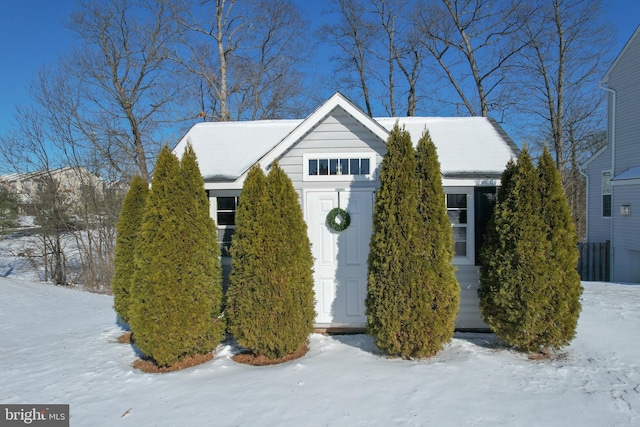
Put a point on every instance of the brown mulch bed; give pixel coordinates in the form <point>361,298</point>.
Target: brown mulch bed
<point>259,360</point>
<point>545,355</point>
<point>125,338</point>
<point>149,366</point>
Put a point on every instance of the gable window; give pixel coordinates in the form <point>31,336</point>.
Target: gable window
<point>343,167</point>
<point>606,194</point>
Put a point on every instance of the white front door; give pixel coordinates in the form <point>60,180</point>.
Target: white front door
<point>340,267</point>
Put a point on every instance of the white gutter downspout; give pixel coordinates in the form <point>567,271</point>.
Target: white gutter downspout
<point>586,203</point>
<point>613,170</point>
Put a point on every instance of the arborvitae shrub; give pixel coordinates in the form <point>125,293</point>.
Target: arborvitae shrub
<point>250,259</point>
<point>402,298</point>
<point>177,291</point>
<point>201,271</point>
<point>565,287</point>
<point>515,288</point>
<point>270,301</point>
<point>128,230</point>
<point>439,287</point>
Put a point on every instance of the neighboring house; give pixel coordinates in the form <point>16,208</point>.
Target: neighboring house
<point>67,181</point>
<point>613,173</point>
<point>333,158</point>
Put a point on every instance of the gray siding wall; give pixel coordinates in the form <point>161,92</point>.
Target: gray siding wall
<point>469,316</point>
<point>598,228</point>
<point>626,229</point>
<point>625,80</point>
<point>337,133</point>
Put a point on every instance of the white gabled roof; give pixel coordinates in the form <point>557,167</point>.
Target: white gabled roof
<point>226,150</point>
<point>470,146</point>
<point>465,145</point>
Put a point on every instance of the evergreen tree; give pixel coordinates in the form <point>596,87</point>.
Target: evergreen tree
<point>564,308</point>
<point>270,301</point>
<point>440,291</point>
<point>250,262</point>
<point>174,313</point>
<point>398,302</point>
<point>201,268</point>
<point>514,284</point>
<point>128,229</point>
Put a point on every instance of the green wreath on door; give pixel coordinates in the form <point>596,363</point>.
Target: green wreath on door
<point>338,219</point>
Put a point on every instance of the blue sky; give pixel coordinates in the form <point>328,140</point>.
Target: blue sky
<point>33,34</point>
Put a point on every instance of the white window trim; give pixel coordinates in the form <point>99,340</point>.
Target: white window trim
<point>327,178</point>
<point>469,259</point>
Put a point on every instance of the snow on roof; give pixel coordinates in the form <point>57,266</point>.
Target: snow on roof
<point>225,150</point>
<point>465,145</point>
<point>470,146</point>
<point>631,173</point>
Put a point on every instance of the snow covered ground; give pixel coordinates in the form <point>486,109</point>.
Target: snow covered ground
<point>57,346</point>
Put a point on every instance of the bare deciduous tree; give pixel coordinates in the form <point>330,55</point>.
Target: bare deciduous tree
<point>380,53</point>
<point>474,42</point>
<point>566,55</point>
<point>243,57</point>
<point>354,35</point>
<point>120,79</point>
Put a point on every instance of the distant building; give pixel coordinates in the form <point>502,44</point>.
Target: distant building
<point>31,188</point>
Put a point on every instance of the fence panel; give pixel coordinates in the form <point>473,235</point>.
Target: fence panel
<point>594,261</point>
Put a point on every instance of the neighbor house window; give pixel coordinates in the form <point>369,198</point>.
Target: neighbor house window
<point>338,167</point>
<point>457,210</point>
<point>606,194</point>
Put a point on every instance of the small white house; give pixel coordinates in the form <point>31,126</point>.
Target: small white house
<point>333,158</point>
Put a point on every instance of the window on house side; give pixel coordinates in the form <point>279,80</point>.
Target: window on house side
<point>606,194</point>
<point>457,211</point>
<point>226,210</point>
